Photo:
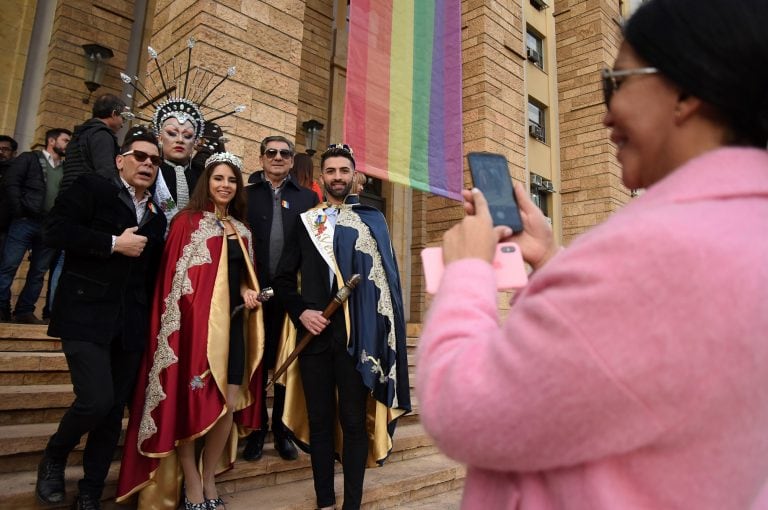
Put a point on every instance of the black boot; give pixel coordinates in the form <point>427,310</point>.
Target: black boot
<point>254,446</point>
<point>284,446</point>
<point>50,481</point>
<point>85,501</point>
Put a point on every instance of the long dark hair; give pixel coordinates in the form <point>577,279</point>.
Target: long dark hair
<point>201,201</point>
<point>303,170</point>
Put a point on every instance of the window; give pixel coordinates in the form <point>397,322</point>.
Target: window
<point>534,48</point>
<point>541,189</point>
<point>539,4</point>
<point>536,125</point>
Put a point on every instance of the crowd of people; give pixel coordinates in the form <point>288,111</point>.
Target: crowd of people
<point>631,372</point>
<point>175,290</point>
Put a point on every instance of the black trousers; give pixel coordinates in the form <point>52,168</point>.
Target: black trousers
<point>274,314</point>
<point>322,375</point>
<point>103,377</point>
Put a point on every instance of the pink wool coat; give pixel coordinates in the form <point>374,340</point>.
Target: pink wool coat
<point>632,372</point>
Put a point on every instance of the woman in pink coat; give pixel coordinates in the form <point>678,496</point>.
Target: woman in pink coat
<point>632,372</point>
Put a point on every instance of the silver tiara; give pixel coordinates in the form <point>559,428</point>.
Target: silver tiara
<point>181,94</point>
<point>225,157</point>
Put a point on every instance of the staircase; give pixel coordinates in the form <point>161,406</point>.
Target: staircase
<point>35,391</point>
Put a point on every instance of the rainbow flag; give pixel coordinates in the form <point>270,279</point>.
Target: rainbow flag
<point>402,112</point>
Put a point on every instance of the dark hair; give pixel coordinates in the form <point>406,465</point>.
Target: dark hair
<point>303,170</point>
<point>14,143</point>
<point>333,152</point>
<point>55,133</point>
<point>201,201</point>
<point>138,134</point>
<point>275,138</point>
<point>107,104</point>
<point>715,50</point>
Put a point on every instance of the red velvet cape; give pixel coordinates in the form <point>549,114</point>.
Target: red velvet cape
<point>178,395</point>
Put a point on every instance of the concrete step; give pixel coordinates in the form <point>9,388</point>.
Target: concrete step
<point>26,337</point>
<point>450,500</point>
<point>36,337</point>
<point>35,396</point>
<point>19,368</point>
<point>411,442</point>
<point>33,362</point>
<point>394,485</point>
<point>32,437</point>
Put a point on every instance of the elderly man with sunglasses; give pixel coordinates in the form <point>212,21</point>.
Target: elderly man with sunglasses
<point>112,231</point>
<point>274,204</point>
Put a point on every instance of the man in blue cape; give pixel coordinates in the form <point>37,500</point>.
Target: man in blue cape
<point>351,384</point>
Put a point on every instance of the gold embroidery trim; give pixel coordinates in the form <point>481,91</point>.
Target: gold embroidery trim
<point>367,244</point>
<point>195,253</point>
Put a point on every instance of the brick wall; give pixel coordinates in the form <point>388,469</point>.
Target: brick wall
<point>78,22</point>
<point>262,39</point>
<point>315,73</point>
<point>587,40</point>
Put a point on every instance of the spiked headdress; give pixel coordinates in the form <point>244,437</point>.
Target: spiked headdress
<point>181,94</point>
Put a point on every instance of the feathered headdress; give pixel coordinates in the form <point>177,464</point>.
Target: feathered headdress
<point>181,94</point>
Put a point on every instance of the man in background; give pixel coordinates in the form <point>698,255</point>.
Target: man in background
<point>94,143</point>
<point>30,186</point>
<point>8,147</point>
<point>274,204</point>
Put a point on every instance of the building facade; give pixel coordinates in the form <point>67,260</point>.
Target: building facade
<point>531,90</point>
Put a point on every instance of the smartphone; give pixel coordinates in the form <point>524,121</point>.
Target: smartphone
<point>508,264</point>
<point>490,174</point>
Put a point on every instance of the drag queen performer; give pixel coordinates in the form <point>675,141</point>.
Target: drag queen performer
<point>202,362</point>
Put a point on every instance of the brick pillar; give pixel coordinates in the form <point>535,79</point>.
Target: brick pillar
<point>588,36</point>
<point>262,39</point>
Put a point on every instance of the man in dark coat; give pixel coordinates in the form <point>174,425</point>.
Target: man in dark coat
<point>113,232</point>
<point>8,147</point>
<point>274,205</point>
<point>30,186</point>
<point>94,145</point>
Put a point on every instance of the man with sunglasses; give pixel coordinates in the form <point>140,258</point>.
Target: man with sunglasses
<point>274,205</point>
<point>112,231</point>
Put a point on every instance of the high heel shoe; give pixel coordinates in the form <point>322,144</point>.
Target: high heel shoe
<point>213,504</point>
<point>188,505</point>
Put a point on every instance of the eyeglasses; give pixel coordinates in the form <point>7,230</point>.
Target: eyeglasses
<point>141,157</point>
<point>6,149</point>
<point>612,80</point>
<point>284,153</point>
<point>342,146</point>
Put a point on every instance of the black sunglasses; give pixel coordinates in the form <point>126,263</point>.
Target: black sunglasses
<point>612,80</point>
<point>284,153</point>
<point>141,157</point>
<point>342,146</point>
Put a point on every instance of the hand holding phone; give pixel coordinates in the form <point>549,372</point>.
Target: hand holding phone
<point>508,264</point>
<point>490,174</point>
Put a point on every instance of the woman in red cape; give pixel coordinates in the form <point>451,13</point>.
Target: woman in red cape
<point>203,360</point>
